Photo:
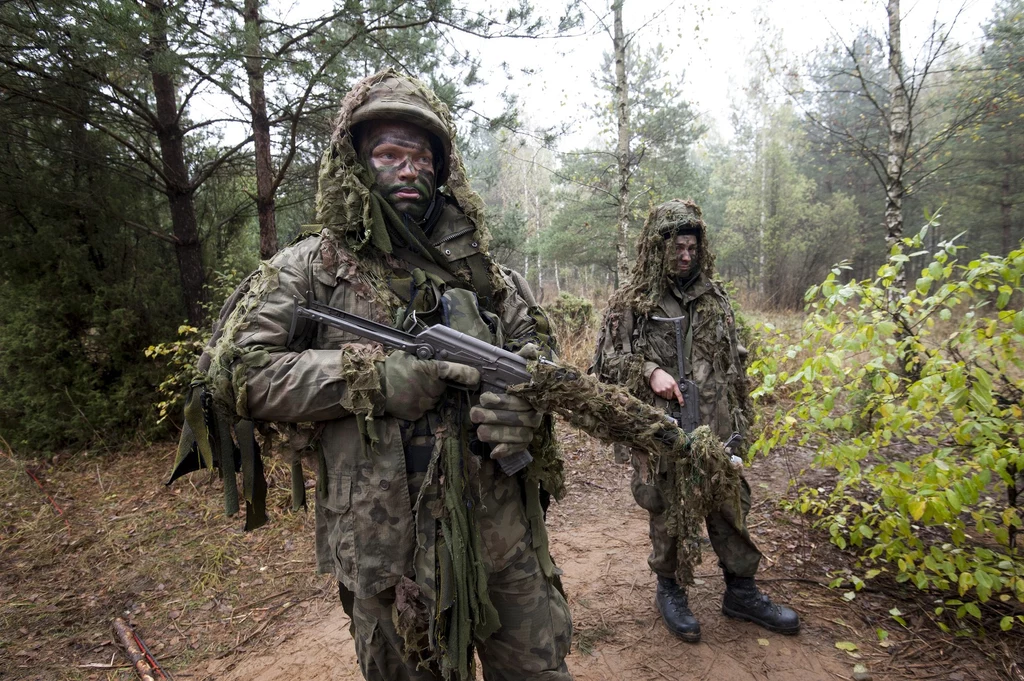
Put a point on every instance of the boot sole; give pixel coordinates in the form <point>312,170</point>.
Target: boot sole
<point>747,618</point>
<point>689,638</point>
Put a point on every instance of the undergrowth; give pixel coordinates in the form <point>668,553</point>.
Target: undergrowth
<point>915,401</point>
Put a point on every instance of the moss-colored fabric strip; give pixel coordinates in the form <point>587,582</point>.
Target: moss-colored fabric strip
<point>194,450</point>
<point>254,484</point>
<point>298,487</point>
<point>227,465</point>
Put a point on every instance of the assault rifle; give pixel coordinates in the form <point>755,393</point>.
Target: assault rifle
<point>498,368</point>
<point>688,413</point>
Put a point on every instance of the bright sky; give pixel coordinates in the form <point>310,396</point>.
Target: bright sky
<point>710,41</point>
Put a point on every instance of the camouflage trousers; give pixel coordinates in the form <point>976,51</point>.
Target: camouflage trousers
<point>536,628</point>
<point>736,551</point>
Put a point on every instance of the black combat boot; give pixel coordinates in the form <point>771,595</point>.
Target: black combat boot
<point>744,601</point>
<point>675,610</point>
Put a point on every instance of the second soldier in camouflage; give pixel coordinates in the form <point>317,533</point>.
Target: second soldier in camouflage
<point>674,278</point>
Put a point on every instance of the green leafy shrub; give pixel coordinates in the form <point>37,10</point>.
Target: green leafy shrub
<point>915,401</point>
<point>571,315</point>
<point>178,357</point>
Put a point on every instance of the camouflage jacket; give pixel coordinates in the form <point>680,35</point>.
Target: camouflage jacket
<point>364,522</point>
<point>630,348</point>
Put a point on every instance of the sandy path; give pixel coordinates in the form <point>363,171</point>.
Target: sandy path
<point>599,539</point>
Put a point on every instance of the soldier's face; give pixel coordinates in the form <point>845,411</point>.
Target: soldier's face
<point>402,162</point>
<point>682,254</point>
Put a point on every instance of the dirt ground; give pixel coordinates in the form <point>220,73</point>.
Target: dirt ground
<point>80,545</point>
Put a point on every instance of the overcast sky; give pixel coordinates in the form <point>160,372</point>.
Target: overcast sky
<point>710,41</point>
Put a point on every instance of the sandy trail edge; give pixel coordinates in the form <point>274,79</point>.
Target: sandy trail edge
<point>599,539</point>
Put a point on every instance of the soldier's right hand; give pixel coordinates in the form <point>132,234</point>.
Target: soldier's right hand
<point>665,387</point>
<point>413,386</point>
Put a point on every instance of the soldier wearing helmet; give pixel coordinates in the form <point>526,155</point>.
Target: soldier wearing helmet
<point>436,551</point>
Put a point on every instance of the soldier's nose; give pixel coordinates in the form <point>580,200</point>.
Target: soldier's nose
<point>407,171</point>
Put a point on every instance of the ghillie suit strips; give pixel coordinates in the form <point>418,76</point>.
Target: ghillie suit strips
<point>701,480</point>
<point>704,473</point>
<point>647,283</point>
<point>363,246</point>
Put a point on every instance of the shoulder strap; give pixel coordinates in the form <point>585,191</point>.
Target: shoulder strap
<point>691,312</point>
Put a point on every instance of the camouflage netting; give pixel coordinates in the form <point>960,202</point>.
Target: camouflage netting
<point>228,363</point>
<point>648,281</point>
<point>344,202</point>
<point>704,473</point>
<point>700,478</point>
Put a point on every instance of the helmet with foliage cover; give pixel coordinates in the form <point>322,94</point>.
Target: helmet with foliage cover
<point>344,204</point>
<point>652,273</point>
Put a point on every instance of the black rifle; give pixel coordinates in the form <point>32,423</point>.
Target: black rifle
<point>498,368</point>
<point>688,413</point>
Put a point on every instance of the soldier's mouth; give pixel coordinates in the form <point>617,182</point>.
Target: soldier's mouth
<point>406,193</point>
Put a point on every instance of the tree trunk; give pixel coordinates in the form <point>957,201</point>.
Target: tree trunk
<point>538,222</point>
<point>763,148</point>
<point>172,154</point>
<point>260,129</point>
<point>1006,206</point>
<point>622,151</point>
<point>899,135</point>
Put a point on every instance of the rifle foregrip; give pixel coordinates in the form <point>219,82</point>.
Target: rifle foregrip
<point>513,463</point>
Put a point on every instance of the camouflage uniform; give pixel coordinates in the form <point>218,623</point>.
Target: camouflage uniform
<point>717,369</point>
<point>382,483</point>
<point>632,347</point>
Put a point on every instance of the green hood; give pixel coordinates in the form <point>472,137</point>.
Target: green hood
<point>343,204</point>
<point>649,279</point>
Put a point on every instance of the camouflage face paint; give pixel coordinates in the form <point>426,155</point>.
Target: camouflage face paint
<point>682,255</point>
<point>402,162</point>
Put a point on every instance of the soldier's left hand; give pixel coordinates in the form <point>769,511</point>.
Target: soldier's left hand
<point>505,421</point>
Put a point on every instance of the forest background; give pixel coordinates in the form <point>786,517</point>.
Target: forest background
<point>154,151</point>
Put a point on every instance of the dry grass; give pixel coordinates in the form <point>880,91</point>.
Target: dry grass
<point>188,579</point>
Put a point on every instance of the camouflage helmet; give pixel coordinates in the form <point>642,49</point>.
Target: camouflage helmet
<point>343,196</point>
<point>397,98</point>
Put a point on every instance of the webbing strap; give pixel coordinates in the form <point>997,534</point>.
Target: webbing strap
<point>197,420</point>
<point>691,310</point>
<point>480,272</point>
<point>227,466</point>
<point>298,487</point>
<point>254,483</point>
<point>194,450</point>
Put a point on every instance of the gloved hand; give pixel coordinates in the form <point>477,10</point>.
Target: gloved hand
<point>413,386</point>
<point>505,421</point>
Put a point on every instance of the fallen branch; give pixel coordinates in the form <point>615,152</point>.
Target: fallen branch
<point>143,663</point>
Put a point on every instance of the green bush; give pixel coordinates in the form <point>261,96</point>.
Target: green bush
<point>177,359</point>
<point>915,401</point>
<point>571,315</point>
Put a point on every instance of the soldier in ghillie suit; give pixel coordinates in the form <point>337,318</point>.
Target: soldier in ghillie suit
<point>436,551</point>
<point>674,277</point>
